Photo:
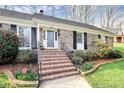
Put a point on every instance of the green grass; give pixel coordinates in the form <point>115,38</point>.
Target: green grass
<point>4,83</point>
<point>108,76</point>
<point>119,46</point>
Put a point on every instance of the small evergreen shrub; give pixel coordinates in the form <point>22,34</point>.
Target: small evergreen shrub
<point>8,45</point>
<point>86,55</point>
<point>24,56</point>
<point>86,66</point>
<point>115,54</point>
<point>77,60</point>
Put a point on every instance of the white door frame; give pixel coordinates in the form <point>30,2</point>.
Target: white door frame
<point>45,40</point>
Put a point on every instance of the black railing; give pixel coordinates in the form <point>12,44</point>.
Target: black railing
<point>39,66</point>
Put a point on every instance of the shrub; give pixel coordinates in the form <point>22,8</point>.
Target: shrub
<point>77,60</point>
<point>25,75</point>
<point>86,66</point>
<point>97,43</point>
<point>24,56</point>
<point>115,54</point>
<point>78,53</point>
<point>109,53</point>
<point>86,55</point>
<point>4,83</point>
<point>104,52</point>
<point>8,45</point>
<point>89,55</point>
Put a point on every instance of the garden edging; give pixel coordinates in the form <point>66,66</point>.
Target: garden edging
<point>18,83</point>
<point>97,66</point>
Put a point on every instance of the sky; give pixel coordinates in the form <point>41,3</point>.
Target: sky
<point>60,10</point>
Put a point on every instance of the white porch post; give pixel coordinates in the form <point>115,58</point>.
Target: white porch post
<point>38,40</point>
<point>38,35</point>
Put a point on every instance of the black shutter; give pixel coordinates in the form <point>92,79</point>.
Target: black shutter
<point>14,28</point>
<point>85,40</point>
<point>33,38</point>
<point>74,40</point>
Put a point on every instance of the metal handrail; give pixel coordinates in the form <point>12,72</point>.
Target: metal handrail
<point>39,66</point>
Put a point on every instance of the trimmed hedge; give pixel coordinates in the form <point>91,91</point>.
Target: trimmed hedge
<point>8,45</point>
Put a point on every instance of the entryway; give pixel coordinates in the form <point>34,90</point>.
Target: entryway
<point>50,39</point>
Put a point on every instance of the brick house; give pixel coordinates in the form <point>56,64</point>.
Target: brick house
<point>54,34</point>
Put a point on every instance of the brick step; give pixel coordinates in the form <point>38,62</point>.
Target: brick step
<point>58,70</point>
<point>49,56</point>
<point>59,75</point>
<point>55,66</point>
<point>53,53</point>
<point>54,58</point>
<point>55,62</point>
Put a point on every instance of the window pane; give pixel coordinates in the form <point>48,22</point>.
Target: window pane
<point>24,36</point>
<point>79,37</point>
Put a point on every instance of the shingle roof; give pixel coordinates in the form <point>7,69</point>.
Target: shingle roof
<point>64,21</point>
<point>15,14</point>
<point>26,16</point>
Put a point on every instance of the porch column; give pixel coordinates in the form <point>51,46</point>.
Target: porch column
<point>38,35</point>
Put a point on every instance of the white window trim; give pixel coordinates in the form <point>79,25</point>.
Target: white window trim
<point>103,39</point>
<point>22,48</point>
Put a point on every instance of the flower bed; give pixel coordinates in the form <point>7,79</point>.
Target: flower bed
<point>10,71</point>
<point>18,83</point>
<point>26,75</point>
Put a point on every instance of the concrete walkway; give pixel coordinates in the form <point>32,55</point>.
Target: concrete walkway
<point>76,81</point>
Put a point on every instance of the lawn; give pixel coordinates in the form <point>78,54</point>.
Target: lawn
<point>119,46</point>
<point>108,76</point>
<point>4,83</point>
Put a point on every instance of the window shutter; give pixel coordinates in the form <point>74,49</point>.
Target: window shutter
<point>33,38</point>
<point>85,40</point>
<point>74,40</point>
<point>14,28</point>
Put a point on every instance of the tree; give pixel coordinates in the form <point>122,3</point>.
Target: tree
<point>110,16</point>
<point>82,13</point>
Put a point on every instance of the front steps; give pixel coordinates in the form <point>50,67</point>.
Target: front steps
<point>55,64</point>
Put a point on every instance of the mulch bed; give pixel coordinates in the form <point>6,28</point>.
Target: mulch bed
<point>19,67</point>
<point>100,61</point>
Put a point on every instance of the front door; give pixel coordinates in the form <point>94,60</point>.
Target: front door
<point>50,39</point>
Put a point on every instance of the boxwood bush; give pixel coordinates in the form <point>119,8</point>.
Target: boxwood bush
<point>23,56</point>
<point>86,66</point>
<point>8,45</point>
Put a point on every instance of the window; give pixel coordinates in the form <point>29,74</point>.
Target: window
<point>79,37</point>
<point>106,39</point>
<point>24,34</point>
<point>103,39</point>
<point>99,36</point>
<point>0,25</point>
